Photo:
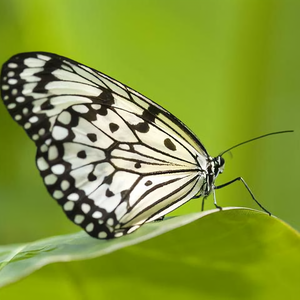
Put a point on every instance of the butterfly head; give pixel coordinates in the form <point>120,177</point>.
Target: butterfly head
<point>219,164</point>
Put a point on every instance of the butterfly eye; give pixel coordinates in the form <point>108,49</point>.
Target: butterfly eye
<point>221,164</point>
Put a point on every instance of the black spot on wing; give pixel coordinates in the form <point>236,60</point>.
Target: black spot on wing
<point>109,193</point>
<point>125,195</point>
<point>148,182</point>
<point>92,137</point>
<point>169,144</point>
<point>148,116</point>
<point>108,179</point>
<point>137,165</point>
<point>92,177</point>
<point>47,106</point>
<point>81,154</point>
<point>142,127</point>
<point>153,110</point>
<point>150,113</point>
<point>113,127</point>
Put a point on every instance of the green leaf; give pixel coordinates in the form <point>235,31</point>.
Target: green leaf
<point>235,253</point>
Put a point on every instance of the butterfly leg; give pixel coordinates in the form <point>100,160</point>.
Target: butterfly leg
<point>247,187</point>
<point>159,219</point>
<point>215,201</point>
<point>203,202</point>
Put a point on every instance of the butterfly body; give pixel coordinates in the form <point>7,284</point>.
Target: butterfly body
<point>112,158</point>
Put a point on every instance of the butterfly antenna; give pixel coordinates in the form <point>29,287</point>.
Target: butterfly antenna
<point>256,138</point>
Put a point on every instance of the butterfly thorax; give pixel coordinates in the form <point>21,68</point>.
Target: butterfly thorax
<point>215,166</point>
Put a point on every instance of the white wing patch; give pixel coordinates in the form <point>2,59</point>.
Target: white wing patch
<point>112,158</point>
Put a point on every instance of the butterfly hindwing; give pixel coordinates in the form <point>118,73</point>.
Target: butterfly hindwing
<point>112,158</point>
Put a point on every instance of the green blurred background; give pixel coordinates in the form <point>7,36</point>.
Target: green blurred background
<point>229,69</point>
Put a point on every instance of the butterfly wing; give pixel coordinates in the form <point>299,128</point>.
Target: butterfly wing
<point>112,158</point>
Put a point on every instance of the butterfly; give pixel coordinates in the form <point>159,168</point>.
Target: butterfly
<point>112,158</point>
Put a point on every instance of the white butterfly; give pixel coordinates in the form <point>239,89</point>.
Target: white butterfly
<point>112,158</point>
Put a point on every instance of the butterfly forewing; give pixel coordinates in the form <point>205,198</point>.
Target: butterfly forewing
<point>112,158</point>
